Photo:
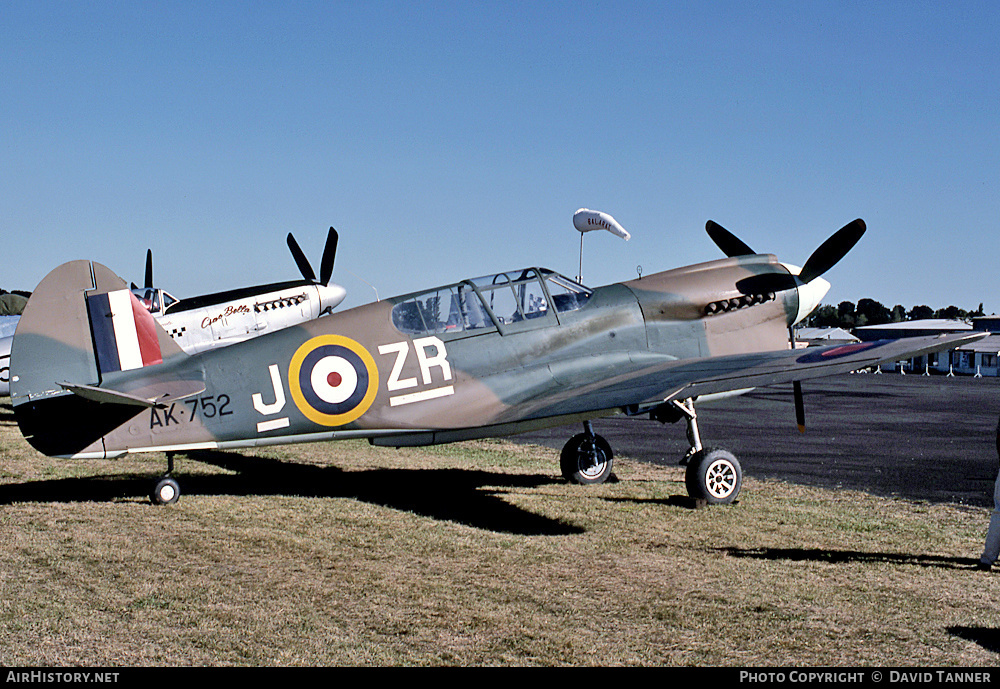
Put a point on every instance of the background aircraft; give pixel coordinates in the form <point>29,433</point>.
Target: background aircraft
<point>214,320</point>
<point>211,320</point>
<point>95,376</point>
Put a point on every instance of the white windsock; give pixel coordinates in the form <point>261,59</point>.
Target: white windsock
<point>586,220</point>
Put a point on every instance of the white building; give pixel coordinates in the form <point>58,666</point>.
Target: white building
<point>977,358</point>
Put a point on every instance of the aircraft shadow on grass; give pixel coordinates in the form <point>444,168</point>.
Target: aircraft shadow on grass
<point>847,556</point>
<point>470,497</point>
<point>987,637</point>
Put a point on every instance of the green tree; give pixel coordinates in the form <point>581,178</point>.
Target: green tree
<point>846,314</point>
<point>873,312</point>
<point>12,304</point>
<point>825,316</point>
<point>951,312</point>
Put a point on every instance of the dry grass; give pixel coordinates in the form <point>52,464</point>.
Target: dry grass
<point>474,554</point>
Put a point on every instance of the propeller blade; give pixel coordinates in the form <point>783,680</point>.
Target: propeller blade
<point>800,406</point>
<point>329,253</point>
<point>727,241</point>
<point>832,250</point>
<point>300,259</point>
<point>149,269</point>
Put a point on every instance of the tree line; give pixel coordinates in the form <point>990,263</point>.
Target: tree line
<point>849,315</point>
<point>12,303</point>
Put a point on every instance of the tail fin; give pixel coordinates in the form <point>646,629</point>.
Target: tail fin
<point>81,325</point>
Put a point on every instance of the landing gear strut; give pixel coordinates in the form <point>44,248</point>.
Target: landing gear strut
<point>167,491</point>
<point>586,458</point>
<point>713,475</point>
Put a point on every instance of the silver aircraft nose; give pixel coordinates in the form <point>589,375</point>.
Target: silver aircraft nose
<point>330,296</point>
<point>810,293</point>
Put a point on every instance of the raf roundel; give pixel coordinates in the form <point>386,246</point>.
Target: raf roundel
<point>333,380</point>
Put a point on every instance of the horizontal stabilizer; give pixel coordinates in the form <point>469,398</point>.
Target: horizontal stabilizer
<point>108,396</point>
<point>152,393</point>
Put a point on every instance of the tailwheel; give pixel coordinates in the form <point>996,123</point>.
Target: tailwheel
<point>586,459</point>
<point>166,492</point>
<point>715,476</point>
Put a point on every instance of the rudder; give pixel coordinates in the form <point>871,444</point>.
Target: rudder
<point>81,325</point>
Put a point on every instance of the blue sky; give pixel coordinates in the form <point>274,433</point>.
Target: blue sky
<point>449,140</point>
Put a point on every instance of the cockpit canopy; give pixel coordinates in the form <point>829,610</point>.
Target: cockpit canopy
<point>155,300</point>
<point>491,301</point>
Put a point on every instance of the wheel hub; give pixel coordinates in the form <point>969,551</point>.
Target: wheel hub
<point>592,459</point>
<point>720,479</point>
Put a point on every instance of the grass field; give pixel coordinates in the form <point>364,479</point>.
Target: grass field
<point>472,554</point>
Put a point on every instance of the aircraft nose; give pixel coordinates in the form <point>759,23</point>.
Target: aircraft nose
<point>810,293</point>
<point>330,296</point>
<point>810,296</point>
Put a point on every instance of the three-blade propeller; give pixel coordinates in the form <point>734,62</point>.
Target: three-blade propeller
<point>325,266</point>
<point>821,260</point>
<point>326,263</point>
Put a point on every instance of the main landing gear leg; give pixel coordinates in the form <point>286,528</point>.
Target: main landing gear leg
<point>167,491</point>
<point>694,436</point>
<point>586,458</point>
<point>713,475</point>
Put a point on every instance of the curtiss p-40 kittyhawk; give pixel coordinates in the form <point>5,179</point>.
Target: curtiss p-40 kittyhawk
<point>95,376</point>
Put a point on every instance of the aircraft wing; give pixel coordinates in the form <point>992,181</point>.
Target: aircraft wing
<point>724,374</point>
<point>645,387</point>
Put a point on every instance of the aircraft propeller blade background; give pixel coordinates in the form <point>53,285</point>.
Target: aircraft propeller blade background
<point>329,253</point>
<point>832,250</point>
<point>730,244</point>
<point>326,263</point>
<point>149,269</point>
<point>300,259</point>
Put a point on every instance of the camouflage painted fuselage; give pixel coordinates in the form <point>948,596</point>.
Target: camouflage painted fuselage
<point>356,373</point>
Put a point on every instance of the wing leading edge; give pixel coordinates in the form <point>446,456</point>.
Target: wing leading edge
<point>725,374</point>
<point>648,386</point>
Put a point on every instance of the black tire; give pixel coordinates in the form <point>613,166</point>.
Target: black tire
<point>586,459</point>
<point>166,492</point>
<point>715,476</point>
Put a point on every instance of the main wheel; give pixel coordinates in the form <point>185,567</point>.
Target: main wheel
<point>715,476</point>
<point>166,492</point>
<point>586,459</point>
